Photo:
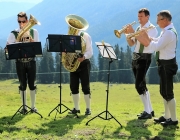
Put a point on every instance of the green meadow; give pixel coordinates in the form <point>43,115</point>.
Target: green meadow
<point>123,104</point>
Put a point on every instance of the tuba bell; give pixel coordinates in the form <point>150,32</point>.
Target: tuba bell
<point>76,24</point>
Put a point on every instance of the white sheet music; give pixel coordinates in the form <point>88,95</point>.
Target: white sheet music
<point>107,52</point>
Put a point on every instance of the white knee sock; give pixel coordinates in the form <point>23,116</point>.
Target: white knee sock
<point>144,99</point>
<point>21,93</point>
<point>33,98</point>
<point>87,100</point>
<point>172,109</point>
<point>76,98</point>
<point>166,110</point>
<point>149,101</point>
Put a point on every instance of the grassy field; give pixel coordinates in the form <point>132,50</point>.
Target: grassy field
<point>124,105</point>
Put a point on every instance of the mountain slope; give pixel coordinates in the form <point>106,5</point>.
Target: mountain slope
<point>103,17</point>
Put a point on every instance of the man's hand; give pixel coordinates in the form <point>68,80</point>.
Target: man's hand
<point>129,29</point>
<point>143,38</point>
<point>81,59</point>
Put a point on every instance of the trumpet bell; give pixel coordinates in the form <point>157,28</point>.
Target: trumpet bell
<point>76,22</point>
<point>117,33</point>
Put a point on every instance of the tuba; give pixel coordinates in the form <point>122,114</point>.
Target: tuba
<point>24,35</point>
<point>76,24</point>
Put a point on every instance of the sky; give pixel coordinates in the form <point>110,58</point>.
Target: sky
<point>30,1</point>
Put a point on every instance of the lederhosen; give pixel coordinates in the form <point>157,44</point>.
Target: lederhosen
<point>81,74</point>
<point>140,64</point>
<point>166,70</point>
<point>26,69</point>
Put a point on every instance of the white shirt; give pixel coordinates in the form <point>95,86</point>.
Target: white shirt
<point>152,33</point>
<point>89,50</point>
<point>11,39</point>
<point>165,43</point>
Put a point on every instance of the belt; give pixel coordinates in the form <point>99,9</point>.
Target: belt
<point>166,62</point>
<point>25,60</point>
<point>137,56</point>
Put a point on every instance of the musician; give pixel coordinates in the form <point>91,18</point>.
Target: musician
<point>165,46</point>
<point>141,61</point>
<point>82,74</point>
<point>25,67</point>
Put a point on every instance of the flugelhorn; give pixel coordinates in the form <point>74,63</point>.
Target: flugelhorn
<point>119,32</point>
<point>129,36</point>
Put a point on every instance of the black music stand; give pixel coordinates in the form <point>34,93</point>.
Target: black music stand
<point>106,51</point>
<point>63,43</point>
<point>19,51</point>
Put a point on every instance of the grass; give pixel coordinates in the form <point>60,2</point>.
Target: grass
<point>124,104</point>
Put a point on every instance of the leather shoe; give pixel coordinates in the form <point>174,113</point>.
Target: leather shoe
<point>88,111</point>
<point>23,111</point>
<point>145,115</point>
<point>152,114</point>
<point>74,111</point>
<point>169,122</point>
<point>160,119</point>
<point>33,110</point>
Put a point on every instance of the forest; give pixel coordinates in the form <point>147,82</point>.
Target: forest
<point>50,70</point>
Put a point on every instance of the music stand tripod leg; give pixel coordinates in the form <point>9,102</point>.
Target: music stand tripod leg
<point>58,107</point>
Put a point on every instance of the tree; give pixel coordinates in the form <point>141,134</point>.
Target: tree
<point>94,70</point>
<point>153,76</point>
<point>46,67</point>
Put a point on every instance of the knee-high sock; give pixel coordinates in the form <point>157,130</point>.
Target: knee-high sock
<point>33,98</point>
<point>166,110</point>
<point>172,109</point>
<point>76,98</point>
<point>87,100</point>
<point>144,99</point>
<point>149,101</point>
<point>23,93</point>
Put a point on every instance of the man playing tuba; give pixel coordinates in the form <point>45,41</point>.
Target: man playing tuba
<point>82,72</point>
<point>25,67</point>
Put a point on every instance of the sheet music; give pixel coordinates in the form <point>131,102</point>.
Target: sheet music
<point>106,50</point>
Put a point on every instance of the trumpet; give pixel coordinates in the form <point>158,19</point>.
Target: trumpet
<point>119,32</point>
<point>129,36</point>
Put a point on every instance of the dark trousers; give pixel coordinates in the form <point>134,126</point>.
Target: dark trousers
<point>166,72</point>
<point>82,75</point>
<point>140,68</point>
<point>27,74</point>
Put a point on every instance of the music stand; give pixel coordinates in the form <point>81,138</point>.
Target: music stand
<point>63,43</point>
<point>106,51</point>
<point>23,50</point>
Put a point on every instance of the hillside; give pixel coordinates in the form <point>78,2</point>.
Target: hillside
<point>103,17</point>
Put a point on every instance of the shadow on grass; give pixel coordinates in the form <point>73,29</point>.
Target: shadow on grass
<point>137,129</point>
<point>58,127</point>
<point>8,125</point>
<point>167,133</point>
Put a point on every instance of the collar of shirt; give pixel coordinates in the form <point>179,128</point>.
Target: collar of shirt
<point>167,27</point>
<point>146,25</point>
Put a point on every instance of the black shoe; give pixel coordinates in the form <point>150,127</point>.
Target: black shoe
<point>152,113</point>
<point>145,115</point>
<point>88,111</point>
<point>169,122</point>
<point>160,119</point>
<point>74,111</point>
<point>34,110</point>
<point>23,111</point>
